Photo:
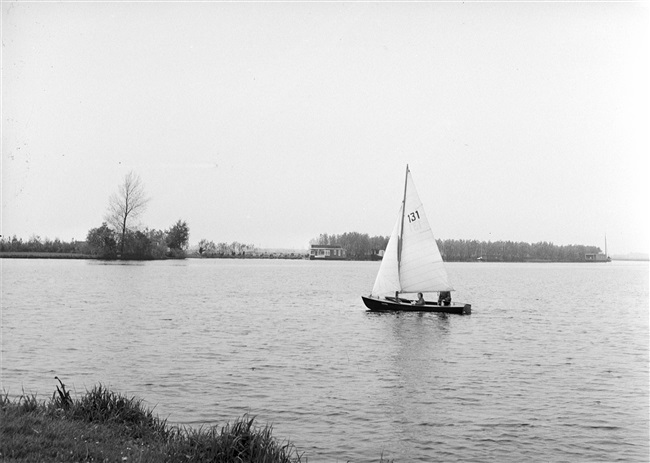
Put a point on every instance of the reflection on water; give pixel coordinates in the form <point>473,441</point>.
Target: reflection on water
<point>547,368</point>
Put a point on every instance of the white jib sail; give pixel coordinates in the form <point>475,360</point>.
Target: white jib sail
<point>420,268</point>
<point>387,281</point>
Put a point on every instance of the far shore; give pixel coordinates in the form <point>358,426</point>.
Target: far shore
<point>45,255</point>
<point>63,255</point>
<point>68,255</point>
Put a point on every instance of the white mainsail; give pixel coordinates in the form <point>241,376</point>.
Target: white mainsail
<point>412,262</point>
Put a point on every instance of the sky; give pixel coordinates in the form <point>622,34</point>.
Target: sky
<point>271,123</point>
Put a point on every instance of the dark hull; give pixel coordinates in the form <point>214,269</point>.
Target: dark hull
<point>385,305</point>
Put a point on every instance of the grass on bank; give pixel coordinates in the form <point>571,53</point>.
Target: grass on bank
<point>105,426</point>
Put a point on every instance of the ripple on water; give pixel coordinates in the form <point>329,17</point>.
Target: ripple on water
<point>527,377</point>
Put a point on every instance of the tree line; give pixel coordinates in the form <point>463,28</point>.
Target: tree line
<point>360,246</point>
<point>510,251</point>
<point>38,244</point>
<point>105,242</point>
<point>235,249</point>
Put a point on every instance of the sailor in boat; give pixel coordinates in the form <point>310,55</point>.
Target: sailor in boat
<point>420,300</point>
<point>444,298</point>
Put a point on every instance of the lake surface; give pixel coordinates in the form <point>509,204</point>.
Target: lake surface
<point>552,365</point>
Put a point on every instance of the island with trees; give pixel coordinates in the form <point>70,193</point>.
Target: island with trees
<point>118,237</point>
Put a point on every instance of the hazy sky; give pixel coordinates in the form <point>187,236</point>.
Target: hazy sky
<point>271,123</point>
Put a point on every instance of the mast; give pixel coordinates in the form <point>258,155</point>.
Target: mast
<point>401,231</point>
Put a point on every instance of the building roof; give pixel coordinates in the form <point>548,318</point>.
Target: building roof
<point>325,246</point>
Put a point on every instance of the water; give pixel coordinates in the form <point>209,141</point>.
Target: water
<point>552,365</point>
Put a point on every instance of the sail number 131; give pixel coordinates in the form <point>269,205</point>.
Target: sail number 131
<point>413,216</point>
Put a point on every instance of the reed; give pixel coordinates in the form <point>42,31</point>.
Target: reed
<point>23,404</point>
<point>241,441</point>
<point>101,405</point>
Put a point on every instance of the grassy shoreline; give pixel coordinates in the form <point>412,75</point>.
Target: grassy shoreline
<point>105,426</point>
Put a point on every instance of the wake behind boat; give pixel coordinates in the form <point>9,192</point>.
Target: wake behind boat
<point>412,265</point>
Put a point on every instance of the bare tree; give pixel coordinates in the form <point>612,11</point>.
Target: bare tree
<point>126,205</point>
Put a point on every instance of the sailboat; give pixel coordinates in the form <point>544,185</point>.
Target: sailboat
<point>412,264</point>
